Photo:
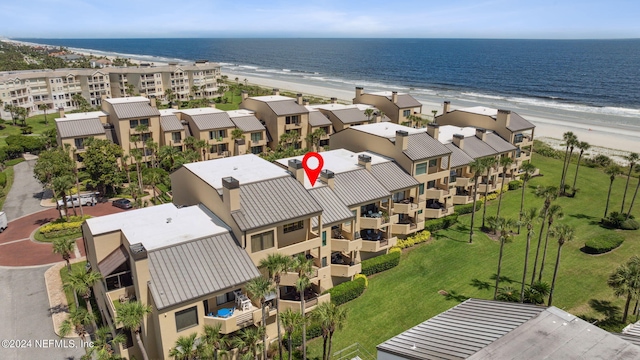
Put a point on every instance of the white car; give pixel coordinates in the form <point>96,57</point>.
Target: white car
<point>84,200</point>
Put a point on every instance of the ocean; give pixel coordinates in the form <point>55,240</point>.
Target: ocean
<point>591,81</point>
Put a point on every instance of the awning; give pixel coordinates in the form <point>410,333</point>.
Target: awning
<point>113,261</point>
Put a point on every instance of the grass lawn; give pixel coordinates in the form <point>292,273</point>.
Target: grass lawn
<point>64,275</point>
<point>36,122</point>
<point>407,295</point>
<point>9,172</point>
<point>38,236</point>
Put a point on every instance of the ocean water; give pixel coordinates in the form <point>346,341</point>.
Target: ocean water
<point>599,78</point>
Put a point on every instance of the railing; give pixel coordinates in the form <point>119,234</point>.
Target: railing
<point>354,351</point>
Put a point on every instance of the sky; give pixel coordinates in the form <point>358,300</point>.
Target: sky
<point>526,19</point>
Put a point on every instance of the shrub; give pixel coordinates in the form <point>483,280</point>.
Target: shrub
<point>468,208</point>
<point>313,331</point>
<point>14,151</point>
<point>380,263</point>
<point>364,277</point>
<point>442,223</point>
<point>545,150</point>
<point>603,243</point>
<point>614,220</point>
<point>26,143</point>
<point>515,184</point>
<point>348,291</point>
<point>3,179</point>
<point>598,161</point>
<point>418,238</point>
<point>62,228</point>
<point>630,224</point>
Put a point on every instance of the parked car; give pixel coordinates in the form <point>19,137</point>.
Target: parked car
<point>122,203</point>
<point>74,200</point>
<point>3,221</point>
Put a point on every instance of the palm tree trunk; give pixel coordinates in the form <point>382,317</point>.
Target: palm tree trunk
<point>78,187</point>
<point>278,319</point>
<point>566,172</point>
<point>290,346</point>
<point>575,178</point>
<point>473,211</point>
<point>606,208</point>
<point>67,258</point>
<point>75,298</point>
<point>624,196</point>
<point>564,165</point>
<point>141,346</point>
<point>330,343</point>
<point>635,310</point>
<point>526,261</point>
<point>324,347</point>
<point>535,263</point>
<point>555,275</point>
<point>304,327</point>
<point>87,300</point>
<point>495,291</point>
<point>524,185</point>
<point>544,252</point>
<point>55,197</point>
<point>264,335</point>
<point>633,199</point>
<point>500,196</point>
<point>626,308</point>
<point>64,201</point>
<point>486,192</point>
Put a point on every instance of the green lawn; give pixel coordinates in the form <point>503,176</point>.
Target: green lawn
<point>407,295</point>
<point>36,122</point>
<point>9,172</point>
<point>64,275</point>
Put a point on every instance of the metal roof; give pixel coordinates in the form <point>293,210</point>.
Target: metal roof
<point>392,177</point>
<point>358,187</point>
<point>518,123</point>
<point>633,330</point>
<point>476,148</point>
<point>286,107</point>
<point>170,123</point>
<point>113,261</point>
<point>213,120</point>
<point>197,268</point>
<point>350,115</point>
<point>630,338</point>
<point>333,210</point>
<point>248,123</point>
<point>316,118</point>
<point>458,157</point>
<point>79,127</point>
<point>422,146</point>
<point>138,109</point>
<point>273,201</point>
<point>406,100</point>
<point>498,143</point>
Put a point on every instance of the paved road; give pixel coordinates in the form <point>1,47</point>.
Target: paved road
<point>25,194</point>
<point>25,315</point>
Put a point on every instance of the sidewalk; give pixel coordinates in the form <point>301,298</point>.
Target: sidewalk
<point>57,299</point>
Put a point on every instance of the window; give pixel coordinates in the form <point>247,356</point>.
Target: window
<point>294,119</point>
<point>453,174</point>
<point>431,184</point>
<point>176,137</point>
<point>433,162</point>
<point>324,261</point>
<point>213,149</point>
<point>517,138</point>
<point>421,168</point>
<point>255,137</point>
<point>222,148</point>
<point>421,189</point>
<point>133,124</point>
<point>79,143</point>
<point>217,134</point>
<point>406,113</point>
<point>324,238</point>
<point>262,241</point>
<point>225,298</point>
<point>144,122</point>
<point>325,129</point>
<point>419,212</point>
<point>293,226</point>
<point>256,150</point>
<point>146,136</point>
<point>397,197</point>
<point>186,318</point>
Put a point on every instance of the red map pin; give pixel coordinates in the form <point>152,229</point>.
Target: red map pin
<point>312,163</point>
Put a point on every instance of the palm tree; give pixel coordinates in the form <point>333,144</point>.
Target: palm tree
<point>612,170</point>
<point>635,193</point>
<point>632,159</point>
<point>536,292</point>
<point>564,233</point>
<point>236,134</point>
<point>277,264</point>
<point>80,281</point>
<point>104,343</point>
<point>314,138</point>
<point>78,320</point>
<point>490,162</point>
<point>61,185</point>
<point>152,146</point>
<point>64,247</point>
<point>186,348</point>
<point>554,213</point>
<point>549,193</point>
<point>583,146</point>
<point>248,340</point>
<point>142,130</point>
<point>131,314</point>
<point>331,318</point>
<point>291,320</point>
<point>528,219</point>
<point>153,178</point>
<point>505,162</point>
<point>528,169</point>
<point>302,283</point>
<point>570,139</point>
<point>44,107</point>
<point>167,155</point>
<point>504,226</point>
<point>214,340</point>
<point>260,288</point>
<point>368,113</point>
<point>477,167</point>
<point>625,281</point>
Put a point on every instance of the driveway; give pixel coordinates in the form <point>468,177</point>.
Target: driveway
<point>25,315</point>
<point>25,194</point>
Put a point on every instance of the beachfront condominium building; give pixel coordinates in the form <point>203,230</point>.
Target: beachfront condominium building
<point>55,88</point>
<point>419,154</point>
<point>401,108</point>
<point>342,116</point>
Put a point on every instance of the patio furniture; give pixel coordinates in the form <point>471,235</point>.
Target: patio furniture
<point>225,312</point>
<point>245,305</point>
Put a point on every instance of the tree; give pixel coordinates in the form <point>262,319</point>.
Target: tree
<point>314,138</point>
<point>331,318</point>
<point>303,267</point>
<point>528,219</point>
<point>369,114</point>
<point>287,140</point>
<point>11,110</point>
<point>554,213</point>
<point>291,320</point>
<point>77,321</point>
<point>490,163</point>
<point>276,265</point>
<point>64,247</point>
<point>612,170</point>
<point>625,281</point>
<point>505,162</point>
<point>194,90</point>
<point>583,146</point>
<point>152,146</point>
<point>536,292</point>
<point>130,90</point>
<point>633,159</point>
<point>103,344</point>
<point>549,193</point>
<point>142,130</point>
<point>81,103</point>
<point>101,163</point>
<point>260,287</point>
<point>214,340</point>
<point>200,146</point>
<point>62,185</point>
<point>130,315</point>
<point>635,193</point>
<point>81,281</point>
<point>477,167</point>
<point>528,169</point>
<point>53,164</point>
<point>186,348</point>
<point>504,226</point>
<point>44,107</point>
<point>153,177</point>
<point>167,155</point>
<point>169,95</point>
<point>564,233</point>
<point>570,140</point>
<point>248,340</point>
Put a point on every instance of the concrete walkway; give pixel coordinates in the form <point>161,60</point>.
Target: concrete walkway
<point>26,192</point>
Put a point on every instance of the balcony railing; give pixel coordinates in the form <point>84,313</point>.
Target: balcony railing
<point>238,320</point>
<point>312,299</point>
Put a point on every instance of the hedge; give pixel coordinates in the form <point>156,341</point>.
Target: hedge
<point>3,179</point>
<point>347,291</point>
<point>515,184</point>
<point>380,263</point>
<point>364,277</point>
<point>630,224</point>
<point>62,227</point>
<point>313,331</point>
<point>468,208</point>
<point>603,243</point>
<point>412,240</point>
<point>442,223</point>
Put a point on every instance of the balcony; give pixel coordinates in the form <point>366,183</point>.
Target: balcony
<point>491,187</point>
<point>345,245</point>
<point>524,140</point>
<point>437,194</point>
<point>407,206</point>
<point>238,320</point>
<point>431,213</point>
<point>376,220</point>
<point>463,198</point>
<point>118,296</point>
<point>408,228</point>
<point>374,241</point>
<point>311,299</point>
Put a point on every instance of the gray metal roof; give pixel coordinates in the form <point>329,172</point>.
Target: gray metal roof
<point>170,123</point>
<point>113,261</point>
<point>78,128</point>
<point>248,123</point>
<point>495,141</point>
<point>316,118</point>
<point>630,338</point>
<point>633,330</point>
<point>273,201</point>
<point>406,101</point>
<point>350,115</point>
<point>458,157</point>
<point>197,268</point>
<point>138,109</point>
<point>287,107</point>
<point>392,177</point>
<point>219,120</point>
<point>358,187</point>
<point>476,148</point>
<point>422,146</point>
<point>333,210</point>
<point>461,331</point>
<point>518,123</point>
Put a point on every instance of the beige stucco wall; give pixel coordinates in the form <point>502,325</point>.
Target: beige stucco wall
<point>276,124</point>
